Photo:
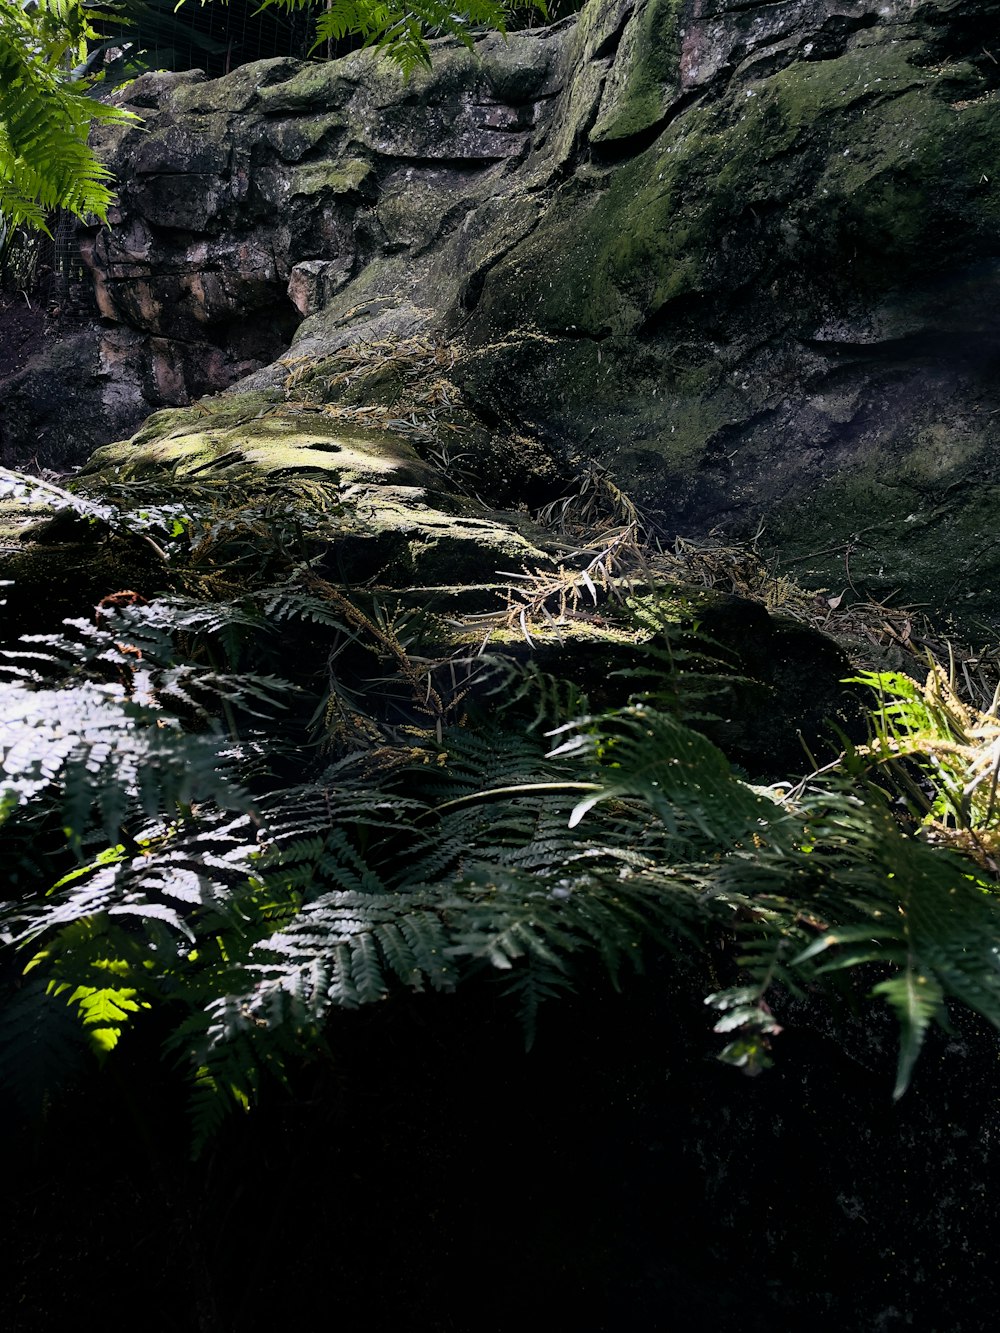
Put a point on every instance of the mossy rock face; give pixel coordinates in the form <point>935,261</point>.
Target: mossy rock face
<point>266,444</point>
<point>377,512</point>
<point>645,76</point>
<point>771,287</point>
<point>742,255</point>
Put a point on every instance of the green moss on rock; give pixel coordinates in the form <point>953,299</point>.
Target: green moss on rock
<point>644,76</point>
<point>267,445</point>
<point>393,518</point>
<point>863,159</point>
<point>344,176</point>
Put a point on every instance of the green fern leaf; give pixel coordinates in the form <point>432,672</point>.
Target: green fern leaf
<point>918,1001</point>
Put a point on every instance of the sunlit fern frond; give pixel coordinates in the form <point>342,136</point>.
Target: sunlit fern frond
<point>45,117</point>
<point>400,31</point>
<point>942,755</point>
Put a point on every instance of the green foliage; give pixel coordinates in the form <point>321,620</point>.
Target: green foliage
<point>132,36</point>
<point>45,116</point>
<point>942,756</point>
<point>197,844</point>
<point>400,31</point>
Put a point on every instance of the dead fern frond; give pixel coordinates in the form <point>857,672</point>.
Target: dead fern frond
<point>554,597</point>
<point>594,504</point>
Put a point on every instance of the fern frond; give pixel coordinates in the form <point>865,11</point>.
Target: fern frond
<point>512,684</point>
<point>489,755</point>
<point>400,31</point>
<point>45,162</point>
<point>105,754</point>
<point>943,757</point>
<point>917,1001</point>
<point>682,776</point>
<point>878,898</point>
<point>42,1045</point>
<point>530,987</point>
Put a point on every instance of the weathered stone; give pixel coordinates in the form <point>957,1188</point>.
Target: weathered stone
<point>764,300</point>
<point>645,75</point>
<point>743,253</point>
<point>396,518</point>
<point>314,281</point>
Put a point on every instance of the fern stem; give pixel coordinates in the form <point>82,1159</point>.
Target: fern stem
<point>519,789</point>
<point>155,545</point>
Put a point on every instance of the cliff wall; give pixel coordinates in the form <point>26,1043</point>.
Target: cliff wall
<point>745,255</point>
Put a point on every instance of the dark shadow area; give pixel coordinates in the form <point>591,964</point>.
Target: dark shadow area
<point>432,1176</point>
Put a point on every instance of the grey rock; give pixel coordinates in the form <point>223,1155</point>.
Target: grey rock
<point>744,254</point>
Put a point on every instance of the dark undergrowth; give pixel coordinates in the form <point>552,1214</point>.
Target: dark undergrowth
<point>293,884</point>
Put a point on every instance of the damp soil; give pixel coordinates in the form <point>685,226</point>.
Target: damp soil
<point>22,333</point>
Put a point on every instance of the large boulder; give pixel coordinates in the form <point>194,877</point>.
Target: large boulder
<point>82,385</point>
<point>769,293</point>
<point>743,254</point>
<point>248,489</point>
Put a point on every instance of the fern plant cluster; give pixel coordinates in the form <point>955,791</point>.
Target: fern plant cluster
<point>46,114</point>
<point>401,31</point>
<point>232,808</point>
